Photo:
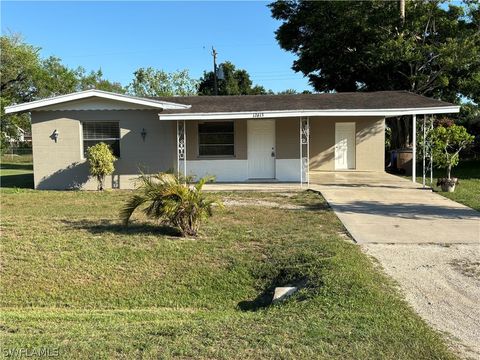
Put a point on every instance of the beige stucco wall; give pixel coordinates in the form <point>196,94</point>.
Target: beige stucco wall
<point>61,165</point>
<point>287,138</point>
<point>370,143</point>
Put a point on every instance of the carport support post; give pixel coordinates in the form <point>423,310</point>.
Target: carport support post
<point>301,148</point>
<point>414,147</point>
<point>304,150</point>
<point>424,128</point>
<point>181,147</point>
<point>431,154</point>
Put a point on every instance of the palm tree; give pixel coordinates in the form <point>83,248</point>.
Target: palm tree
<point>169,199</point>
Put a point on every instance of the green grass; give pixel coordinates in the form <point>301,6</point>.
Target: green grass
<point>75,280</point>
<point>16,172</point>
<point>467,192</point>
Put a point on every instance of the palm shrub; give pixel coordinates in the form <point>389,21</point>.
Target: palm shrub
<point>101,159</point>
<point>171,200</point>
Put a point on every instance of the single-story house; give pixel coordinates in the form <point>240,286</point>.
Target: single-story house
<point>235,138</point>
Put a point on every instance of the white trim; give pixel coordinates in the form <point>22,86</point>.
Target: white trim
<point>231,170</point>
<point>155,104</point>
<point>227,170</point>
<point>299,113</point>
<point>184,149</point>
<point>287,170</point>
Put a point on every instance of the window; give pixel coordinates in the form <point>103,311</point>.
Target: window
<point>95,132</point>
<point>216,139</point>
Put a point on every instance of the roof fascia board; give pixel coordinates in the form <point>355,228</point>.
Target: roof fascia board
<point>94,93</point>
<point>298,113</point>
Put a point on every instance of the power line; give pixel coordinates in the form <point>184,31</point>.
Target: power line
<point>159,50</point>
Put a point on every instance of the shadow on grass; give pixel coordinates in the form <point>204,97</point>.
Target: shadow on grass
<point>264,299</point>
<point>24,181</point>
<point>108,226</point>
<point>306,203</point>
<point>405,210</point>
<point>16,166</point>
<point>466,170</point>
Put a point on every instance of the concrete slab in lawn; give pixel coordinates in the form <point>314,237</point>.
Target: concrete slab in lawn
<point>382,208</point>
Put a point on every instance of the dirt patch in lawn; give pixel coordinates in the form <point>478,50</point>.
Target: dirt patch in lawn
<point>262,203</point>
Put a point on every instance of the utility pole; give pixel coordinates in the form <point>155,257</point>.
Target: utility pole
<point>215,84</point>
<point>402,10</point>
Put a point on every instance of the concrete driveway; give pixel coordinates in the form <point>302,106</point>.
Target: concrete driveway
<point>382,208</point>
<point>430,245</point>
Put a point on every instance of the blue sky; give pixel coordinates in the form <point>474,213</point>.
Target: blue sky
<point>120,37</point>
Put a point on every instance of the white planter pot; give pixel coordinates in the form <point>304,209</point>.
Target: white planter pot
<point>449,186</point>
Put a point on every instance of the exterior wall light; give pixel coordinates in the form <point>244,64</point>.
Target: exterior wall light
<point>143,134</point>
<point>54,135</point>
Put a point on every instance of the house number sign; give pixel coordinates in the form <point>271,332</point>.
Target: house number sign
<point>257,115</point>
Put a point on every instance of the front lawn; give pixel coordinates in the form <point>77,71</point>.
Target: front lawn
<point>76,282</point>
<point>467,192</point>
<point>16,171</point>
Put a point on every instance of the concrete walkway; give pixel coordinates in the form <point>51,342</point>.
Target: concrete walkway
<point>387,209</point>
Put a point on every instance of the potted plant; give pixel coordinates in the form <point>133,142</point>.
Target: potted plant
<point>447,142</point>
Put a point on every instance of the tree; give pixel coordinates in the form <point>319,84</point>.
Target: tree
<point>469,117</point>
<point>19,68</point>
<point>235,82</point>
<point>350,46</point>
<point>25,76</point>
<point>100,159</point>
<point>151,82</point>
<point>55,79</point>
<point>287,92</point>
<point>447,143</point>
<point>95,80</point>
<point>367,46</point>
<point>171,200</point>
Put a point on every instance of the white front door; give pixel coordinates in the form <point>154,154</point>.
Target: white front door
<point>261,149</point>
<point>345,146</point>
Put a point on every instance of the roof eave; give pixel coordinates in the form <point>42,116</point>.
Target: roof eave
<point>298,113</point>
<point>154,104</point>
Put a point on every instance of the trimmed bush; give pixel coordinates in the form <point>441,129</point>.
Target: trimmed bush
<point>101,159</point>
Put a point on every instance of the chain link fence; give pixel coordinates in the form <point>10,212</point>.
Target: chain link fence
<point>17,154</point>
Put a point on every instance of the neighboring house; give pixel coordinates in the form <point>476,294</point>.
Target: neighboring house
<point>235,138</point>
<point>22,136</point>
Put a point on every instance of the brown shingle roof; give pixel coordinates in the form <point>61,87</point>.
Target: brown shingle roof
<point>331,101</point>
